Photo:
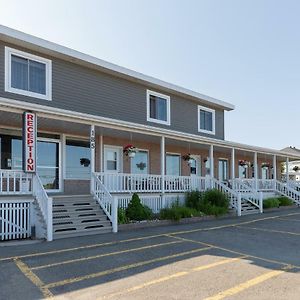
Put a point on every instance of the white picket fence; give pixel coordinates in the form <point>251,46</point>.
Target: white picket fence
<point>15,219</point>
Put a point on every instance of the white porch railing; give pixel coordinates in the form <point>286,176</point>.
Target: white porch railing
<point>155,201</point>
<point>15,221</point>
<point>108,203</point>
<point>45,204</point>
<point>14,182</point>
<point>147,183</point>
<point>252,184</point>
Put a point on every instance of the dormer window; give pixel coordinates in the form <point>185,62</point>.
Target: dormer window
<point>27,74</point>
<point>206,120</point>
<point>158,108</point>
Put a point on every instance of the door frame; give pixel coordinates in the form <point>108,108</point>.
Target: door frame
<point>227,173</point>
<point>60,168</point>
<point>197,158</point>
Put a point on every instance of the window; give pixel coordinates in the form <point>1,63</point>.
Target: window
<point>206,120</point>
<point>27,74</point>
<point>78,160</point>
<point>158,108</point>
<point>172,164</point>
<point>139,163</point>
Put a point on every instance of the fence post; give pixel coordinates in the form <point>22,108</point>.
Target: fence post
<point>239,205</point>
<point>114,214</point>
<point>261,202</point>
<point>49,220</point>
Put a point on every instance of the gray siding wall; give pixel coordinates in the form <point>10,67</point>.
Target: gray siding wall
<point>81,89</point>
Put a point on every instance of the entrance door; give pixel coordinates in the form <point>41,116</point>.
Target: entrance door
<point>223,170</point>
<point>48,163</point>
<point>195,165</point>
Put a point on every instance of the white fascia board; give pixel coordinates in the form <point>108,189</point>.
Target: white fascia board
<point>38,44</point>
<point>71,116</point>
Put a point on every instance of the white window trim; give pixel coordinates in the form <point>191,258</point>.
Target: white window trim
<point>120,148</point>
<point>213,120</point>
<point>167,98</point>
<point>8,88</point>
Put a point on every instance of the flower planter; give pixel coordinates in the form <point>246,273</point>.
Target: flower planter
<point>131,154</point>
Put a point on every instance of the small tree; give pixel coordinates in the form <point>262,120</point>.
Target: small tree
<point>136,210</point>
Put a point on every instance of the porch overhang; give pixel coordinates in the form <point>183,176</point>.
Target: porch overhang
<point>82,121</point>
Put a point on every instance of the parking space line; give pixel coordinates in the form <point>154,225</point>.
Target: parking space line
<point>237,252</point>
<point>246,285</point>
<point>103,255</point>
<point>33,277</point>
<point>144,238</point>
<point>122,268</point>
<point>269,230</point>
<point>292,220</point>
<point>172,276</point>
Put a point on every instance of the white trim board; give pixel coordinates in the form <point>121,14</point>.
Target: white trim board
<point>43,46</point>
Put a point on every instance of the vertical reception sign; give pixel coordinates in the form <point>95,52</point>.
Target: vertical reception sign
<point>29,142</point>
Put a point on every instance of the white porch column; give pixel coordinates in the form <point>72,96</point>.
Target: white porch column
<point>274,167</point>
<point>211,160</point>
<point>101,153</point>
<point>232,163</point>
<point>255,171</point>
<point>162,168</point>
<point>287,170</point>
<point>92,147</point>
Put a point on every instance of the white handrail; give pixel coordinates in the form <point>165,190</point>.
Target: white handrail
<point>45,205</point>
<point>286,190</point>
<point>108,203</point>
<point>234,197</point>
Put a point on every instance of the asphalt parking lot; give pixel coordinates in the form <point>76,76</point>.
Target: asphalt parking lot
<point>252,257</point>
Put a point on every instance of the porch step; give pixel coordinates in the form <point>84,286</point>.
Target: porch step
<point>78,215</point>
<point>249,208</point>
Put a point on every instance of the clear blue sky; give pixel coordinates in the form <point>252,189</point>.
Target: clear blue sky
<point>243,52</point>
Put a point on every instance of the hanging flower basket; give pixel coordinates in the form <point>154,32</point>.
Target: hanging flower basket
<point>188,158</point>
<point>244,163</point>
<point>265,165</point>
<point>129,151</point>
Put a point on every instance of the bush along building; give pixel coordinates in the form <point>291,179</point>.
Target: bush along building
<point>79,136</point>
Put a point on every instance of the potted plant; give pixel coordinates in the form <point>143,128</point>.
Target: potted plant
<point>188,158</point>
<point>296,168</point>
<point>129,150</point>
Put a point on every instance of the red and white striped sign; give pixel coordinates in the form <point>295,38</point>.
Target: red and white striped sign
<point>29,142</point>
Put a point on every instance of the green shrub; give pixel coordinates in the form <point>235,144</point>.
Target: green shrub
<point>176,212</point>
<point>271,202</point>
<point>285,201</point>
<point>122,218</point>
<point>214,202</point>
<point>136,210</point>
<point>193,199</point>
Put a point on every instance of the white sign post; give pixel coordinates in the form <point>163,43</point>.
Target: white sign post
<point>29,142</point>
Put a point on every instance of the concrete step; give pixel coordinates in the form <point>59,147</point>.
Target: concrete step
<point>79,214</point>
<point>80,220</point>
<point>57,225</point>
<point>66,234</point>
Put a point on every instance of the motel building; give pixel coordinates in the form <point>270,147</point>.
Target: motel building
<point>79,135</point>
